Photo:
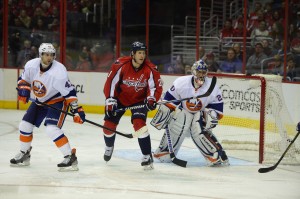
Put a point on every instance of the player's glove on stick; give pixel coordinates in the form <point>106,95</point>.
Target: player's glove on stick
<point>111,105</point>
<point>151,103</point>
<point>298,127</point>
<point>79,115</point>
<point>23,91</point>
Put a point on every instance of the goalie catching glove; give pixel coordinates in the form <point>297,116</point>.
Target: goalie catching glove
<point>79,115</point>
<point>24,89</point>
<point>111,105</point>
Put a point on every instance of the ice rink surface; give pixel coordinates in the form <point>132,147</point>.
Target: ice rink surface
<point>123,177</point>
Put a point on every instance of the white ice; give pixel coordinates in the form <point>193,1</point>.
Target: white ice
<point>123,177</point>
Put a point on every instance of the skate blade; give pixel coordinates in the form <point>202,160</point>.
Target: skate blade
<point>67,169</point>
<point>21,164</point>
<point>221,164</point>
<point>148,167</point>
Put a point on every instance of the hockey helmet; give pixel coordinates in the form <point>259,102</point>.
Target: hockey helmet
<point>138,46</point>
<point>47,48</point>
<point>199,70</point>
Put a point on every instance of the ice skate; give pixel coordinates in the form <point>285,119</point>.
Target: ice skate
<point>21,159</point>
<point>108,153</point>
<point>147,162</point>
<point>69,163</point>
<point>223,161</point>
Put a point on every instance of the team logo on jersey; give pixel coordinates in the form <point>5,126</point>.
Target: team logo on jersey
<point>194,104</point>
<point>39,89</point>
<point>137,84</point>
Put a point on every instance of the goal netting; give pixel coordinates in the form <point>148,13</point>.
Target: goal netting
<point>256,124</point>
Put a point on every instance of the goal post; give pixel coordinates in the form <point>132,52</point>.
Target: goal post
<point>256,117</point>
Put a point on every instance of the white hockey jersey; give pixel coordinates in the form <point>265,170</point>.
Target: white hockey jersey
<point>183,88</point>
<point>50,86</point>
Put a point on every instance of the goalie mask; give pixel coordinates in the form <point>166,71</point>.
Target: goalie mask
<point>199,70</point>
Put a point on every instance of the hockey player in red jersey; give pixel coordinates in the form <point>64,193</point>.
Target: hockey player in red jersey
<point>133,80</point>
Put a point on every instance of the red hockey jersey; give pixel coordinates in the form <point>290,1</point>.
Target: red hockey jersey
<point>132,85</point>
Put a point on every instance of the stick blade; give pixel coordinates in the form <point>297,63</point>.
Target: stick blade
<point>266,170</point>
<point>177,161</point>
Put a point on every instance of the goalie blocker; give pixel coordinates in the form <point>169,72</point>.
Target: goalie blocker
<point>182,124</point>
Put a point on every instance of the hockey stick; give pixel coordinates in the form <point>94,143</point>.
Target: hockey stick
<point>175,160</point>
<point>88,121</point>
<point>268,169</point>
<point>207,93</point>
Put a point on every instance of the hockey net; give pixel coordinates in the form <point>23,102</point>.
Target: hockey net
<point>256,122</point>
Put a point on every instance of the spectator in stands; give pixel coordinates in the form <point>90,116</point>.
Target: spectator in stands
<point>277,31</point>
<point>25,19</point>
<point>14,42</point>
<point>53,19</point>
<point>188,70</point>
<point>255,13</point>
<point>295,44</point>
<point>238,52</point>
<point>275,18</point>
<point>268,12</point>
<point>38,14</point>
<point>83,63</point>
<point>256,23</point>
<point>259,33</point>
<point>231,64</point>
<point>276,67</point>
<point>179,67</point>
<point>239,31</point>
<point>213,66</point>
<point>24,55</point>
<point>291,70</point>
<point>101,56</point>
<point>226,33</point>
<point>254,61</point>
<point>202,53</point>
<point>266,46</point>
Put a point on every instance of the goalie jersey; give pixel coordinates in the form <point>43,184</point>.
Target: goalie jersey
<point>183,87</point>
<point>48,86</point>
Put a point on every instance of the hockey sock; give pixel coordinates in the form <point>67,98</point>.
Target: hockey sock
<point>145,145</point>
<point>109,141</point>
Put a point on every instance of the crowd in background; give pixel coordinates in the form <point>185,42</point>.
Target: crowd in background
<point>33,22</point>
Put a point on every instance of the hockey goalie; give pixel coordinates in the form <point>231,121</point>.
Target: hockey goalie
<point>193,118</point>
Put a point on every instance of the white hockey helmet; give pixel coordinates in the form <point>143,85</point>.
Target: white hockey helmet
<point>199,70</point>
<point>47,48</point>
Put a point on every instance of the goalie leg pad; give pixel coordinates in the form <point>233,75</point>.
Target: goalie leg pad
<point>210,148</point>
<point>207,144</point>
<point>162,117</point>
<point>179,127</point>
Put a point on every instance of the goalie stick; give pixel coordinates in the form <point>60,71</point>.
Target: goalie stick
<point>91,122</point>
<point>268,169</point>
<point>175,160</point>
<point>207,93</point>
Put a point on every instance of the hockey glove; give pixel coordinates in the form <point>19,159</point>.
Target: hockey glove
<point>111,105</point>
<point>79,115</point>
<point>298,127</point>
<point>151,103</point>
<point>23,91</point>
<point>212,119</point>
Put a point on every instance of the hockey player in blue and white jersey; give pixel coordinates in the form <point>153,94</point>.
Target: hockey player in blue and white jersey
<point>48,80</point>
<point>195,117</point>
